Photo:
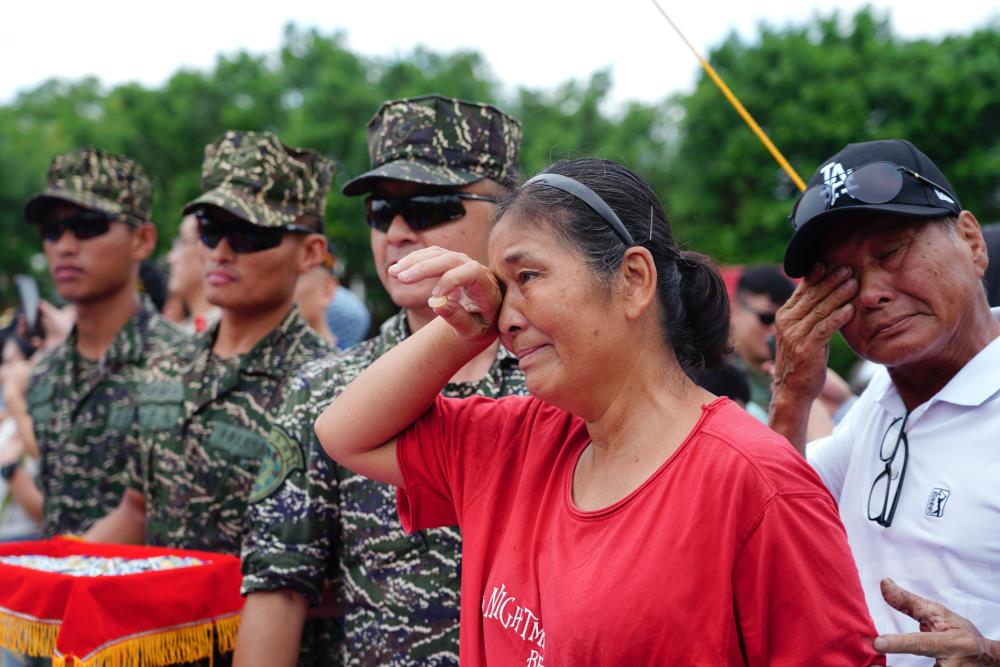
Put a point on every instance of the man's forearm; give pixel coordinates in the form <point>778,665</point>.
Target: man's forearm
<point>789,416</point>
<point>270,629</point>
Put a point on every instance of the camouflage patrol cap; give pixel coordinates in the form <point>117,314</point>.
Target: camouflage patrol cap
<point>98,180</point>
<point>437,140</point>
<point>256,177</point>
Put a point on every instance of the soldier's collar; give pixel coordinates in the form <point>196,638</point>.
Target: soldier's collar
<point>395,329</point>
<point>265,357</point>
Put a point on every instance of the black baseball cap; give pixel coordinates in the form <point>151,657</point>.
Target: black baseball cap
<point>923,194</point>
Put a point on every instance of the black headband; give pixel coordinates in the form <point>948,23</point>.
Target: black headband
<point>589,197</point>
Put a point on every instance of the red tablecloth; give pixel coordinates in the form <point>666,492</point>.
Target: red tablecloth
<point>149,618</point>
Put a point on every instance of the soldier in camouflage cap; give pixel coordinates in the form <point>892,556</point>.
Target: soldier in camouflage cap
<point>255,177</point>
<point>97,180</point>
<point>205,411</point>
<point>436,140</point>
<point>93,217</point>
<point>438,167</point>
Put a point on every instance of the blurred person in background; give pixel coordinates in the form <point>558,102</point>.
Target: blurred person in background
<point>313,293</point>
<point>760,291</point>
<point>726,380</point>
<point>347,317</point>
<point>20,500</point>
<point>186,280</point>
<point>153,284</point>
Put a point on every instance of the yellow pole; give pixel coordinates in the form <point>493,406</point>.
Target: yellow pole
<point>740,109</point>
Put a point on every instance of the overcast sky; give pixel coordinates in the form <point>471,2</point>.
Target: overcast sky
<point>538,43</point>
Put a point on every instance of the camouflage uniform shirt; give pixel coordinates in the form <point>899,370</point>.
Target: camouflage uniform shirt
<point>201,433</point>
<point>400,592</point>
<point>83,411</point>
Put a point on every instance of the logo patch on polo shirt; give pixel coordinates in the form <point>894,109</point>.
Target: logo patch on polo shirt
<point>936,502</point>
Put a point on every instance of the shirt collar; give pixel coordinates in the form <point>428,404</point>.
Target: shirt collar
<point>276,345</point>
<point>128,345</point>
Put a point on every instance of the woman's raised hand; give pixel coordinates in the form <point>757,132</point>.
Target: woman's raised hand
<point>467,294</point>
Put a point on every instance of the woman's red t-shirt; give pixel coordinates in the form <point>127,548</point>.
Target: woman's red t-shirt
<point>731,553</point>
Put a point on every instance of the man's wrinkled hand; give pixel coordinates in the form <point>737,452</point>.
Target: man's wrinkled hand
<point>820,305</point>
<point>952,639</point>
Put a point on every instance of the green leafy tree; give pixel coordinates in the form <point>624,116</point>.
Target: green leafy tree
<point>815,88</point>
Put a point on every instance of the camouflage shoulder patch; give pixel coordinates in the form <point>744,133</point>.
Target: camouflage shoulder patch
<point>284,455</point>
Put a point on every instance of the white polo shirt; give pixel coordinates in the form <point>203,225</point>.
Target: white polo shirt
<point>944,541</point>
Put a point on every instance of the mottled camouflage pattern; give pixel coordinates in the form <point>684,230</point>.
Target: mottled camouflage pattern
<point>437,140</point>
<point>201,433</point>
<point>312,520</point>
<point>83,412</point>
<point>256,177</point>
<point>96,179</point>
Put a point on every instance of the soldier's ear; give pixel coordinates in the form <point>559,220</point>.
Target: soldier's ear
<point>313,252</point>
<point>143,241</point>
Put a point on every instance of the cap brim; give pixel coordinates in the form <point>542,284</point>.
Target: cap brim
<point>803,247</point>
<point>252,211</point>
<point>412,171</point>
<point>40,202</point>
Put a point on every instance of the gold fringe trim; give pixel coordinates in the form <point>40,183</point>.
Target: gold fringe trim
<point>185,644</point>
<point>30,636</point>
<point>226,630</point>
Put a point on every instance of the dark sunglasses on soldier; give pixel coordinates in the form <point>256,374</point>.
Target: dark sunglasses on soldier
<point>874,183</point>
<point>421,211</point>
<point>243,237</point>
<point>84,224</point>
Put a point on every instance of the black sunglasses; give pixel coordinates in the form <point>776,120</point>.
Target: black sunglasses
<point>84,224</point>
<point>884,494</point>
<point>767,319</point>
<point>243,237</point>
<point>421,211</point>
<point>875,183</point>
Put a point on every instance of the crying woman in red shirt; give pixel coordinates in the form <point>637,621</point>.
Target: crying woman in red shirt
<point>621,515</point>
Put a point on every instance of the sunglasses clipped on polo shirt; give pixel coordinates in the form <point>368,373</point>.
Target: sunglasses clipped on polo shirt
<point>421,211</point>
<point>84,224</point>
<point>243,237</point>
<point>874,183</point>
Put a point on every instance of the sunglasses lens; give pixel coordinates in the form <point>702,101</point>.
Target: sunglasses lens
<point>767,319</point>
<point>425,212</point>
<point>420,212</point>
<point>83,225</point>
<point>241,237</point>
<point>51,231</point>
<point>88,228</point>
<point>874,183</point>
<point>380,213</point>
<point>255,239</point>
<point>815,200</point>
<point>209,235</point>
